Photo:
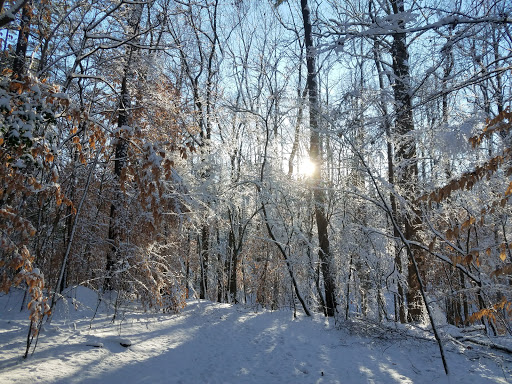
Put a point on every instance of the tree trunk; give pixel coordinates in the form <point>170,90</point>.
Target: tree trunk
<point>233,270</point>
<point>319,196</point>
<point>406,157</point>
<point>204,250</point>
<point>400,312</point>
<point>18,65</point>
<point>121,150</point>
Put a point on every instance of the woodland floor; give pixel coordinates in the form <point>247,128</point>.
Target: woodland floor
<point>219,343</point>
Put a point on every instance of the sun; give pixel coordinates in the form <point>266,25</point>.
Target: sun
<point>306,167</point>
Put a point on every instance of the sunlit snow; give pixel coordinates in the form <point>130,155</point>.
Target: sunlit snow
<point>221,343</point>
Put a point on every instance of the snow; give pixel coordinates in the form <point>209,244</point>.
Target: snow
<point>5,102</point>
<point>61,95</point>
<point>221,343</point>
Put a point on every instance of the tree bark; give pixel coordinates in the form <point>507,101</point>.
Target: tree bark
<point>18,65</point>
<point>315,156</point>
<point>121,151</point>
<point>204,253</point>
<point>406,158</point>
<point>401,314</point>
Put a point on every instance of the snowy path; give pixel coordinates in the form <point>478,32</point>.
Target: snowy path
<point>216,343</point>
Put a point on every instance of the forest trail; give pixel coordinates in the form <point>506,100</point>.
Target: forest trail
<point>220,343</point>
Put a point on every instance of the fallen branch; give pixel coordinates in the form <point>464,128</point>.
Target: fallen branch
<point>489,344</point>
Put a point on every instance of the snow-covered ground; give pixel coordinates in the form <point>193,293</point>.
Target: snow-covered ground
<point>220,343</point>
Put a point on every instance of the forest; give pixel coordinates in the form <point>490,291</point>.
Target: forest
<point>349,158</point>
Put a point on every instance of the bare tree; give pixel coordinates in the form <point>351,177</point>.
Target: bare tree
<point>316,158</point>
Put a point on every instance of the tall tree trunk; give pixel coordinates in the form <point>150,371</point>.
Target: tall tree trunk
<point>402,315</point>
<point>18,65</point>
<point>319,195</point>
<point>406,157</point>
<point>233,266</point>
<point>204,253</point>
<point>220,271</point>
<point>121,150</point>
<point>205,113</point>
<point>400,295</point>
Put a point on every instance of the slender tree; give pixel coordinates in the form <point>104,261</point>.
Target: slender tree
<point>315,154</point>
